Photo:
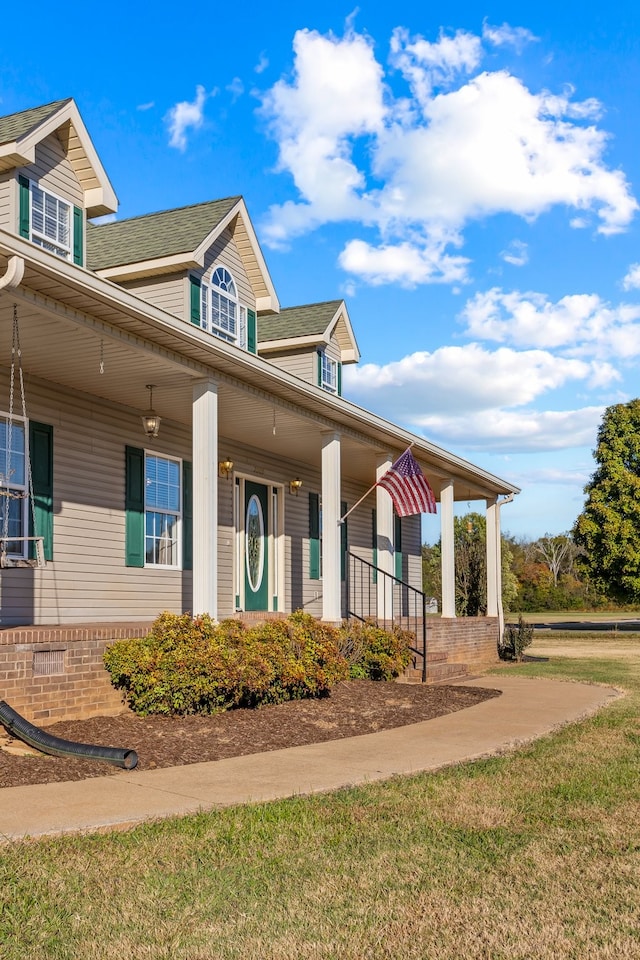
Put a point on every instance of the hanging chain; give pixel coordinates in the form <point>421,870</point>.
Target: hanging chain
<point>16,354</point>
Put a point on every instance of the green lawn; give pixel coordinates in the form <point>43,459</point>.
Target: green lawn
<point>531,855</point>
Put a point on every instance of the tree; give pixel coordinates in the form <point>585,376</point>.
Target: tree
<point>471,567</point>
<point>558,554</point>
<point>608,529</point>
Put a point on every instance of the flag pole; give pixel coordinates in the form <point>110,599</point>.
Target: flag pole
<point>364,496</point>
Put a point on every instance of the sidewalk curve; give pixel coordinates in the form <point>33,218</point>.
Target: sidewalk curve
<point>526,709</point>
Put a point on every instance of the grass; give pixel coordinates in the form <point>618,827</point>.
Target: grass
<point>531,855</point>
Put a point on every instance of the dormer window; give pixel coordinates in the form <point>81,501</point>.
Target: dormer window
<point>50,221</point>
<point>215,307</point>
<point>220,311</point>
<point>328,373</point>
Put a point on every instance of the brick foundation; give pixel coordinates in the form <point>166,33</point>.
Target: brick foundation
<point>470,640</point>
<point>56,672</point>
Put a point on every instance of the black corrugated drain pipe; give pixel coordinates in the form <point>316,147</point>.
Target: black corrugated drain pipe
<point>57,747</point>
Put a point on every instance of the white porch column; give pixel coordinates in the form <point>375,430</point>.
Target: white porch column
<point>205,497</point>
<point>331,592</point>
<point>384,521</point>
<point>448,551</point>
<point>493,557</point>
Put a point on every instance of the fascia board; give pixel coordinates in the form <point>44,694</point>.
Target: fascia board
<point>18,154</point>
<point>291,343</point>
<point>148,268</point>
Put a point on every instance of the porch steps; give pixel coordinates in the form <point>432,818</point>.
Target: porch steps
<point>439,670</point>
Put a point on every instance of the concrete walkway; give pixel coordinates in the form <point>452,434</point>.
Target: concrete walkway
<point>527,709</point>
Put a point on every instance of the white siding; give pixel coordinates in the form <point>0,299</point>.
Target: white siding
<point>166,292</point>
<point>54,172</point>
<point>300,363</point>
<point>7,187</point>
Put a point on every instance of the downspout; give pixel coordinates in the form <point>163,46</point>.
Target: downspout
<point>500,503</point>
<point>13,276</point>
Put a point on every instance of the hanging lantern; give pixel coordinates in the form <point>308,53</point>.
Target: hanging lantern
<point>150,419</point>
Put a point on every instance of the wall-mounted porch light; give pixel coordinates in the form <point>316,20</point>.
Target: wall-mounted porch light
<point>150,419</point>
<point>225,467</point>
<point>294,486</point>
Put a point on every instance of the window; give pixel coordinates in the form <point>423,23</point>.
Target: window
<point>215,308</point>
<point>13,484</point>
<point>220,311</point>
<point>328,373</point>
<point>51,222</point>
<point>163,501</point>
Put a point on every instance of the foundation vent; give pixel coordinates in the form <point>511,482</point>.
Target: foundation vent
<point>48,663</point>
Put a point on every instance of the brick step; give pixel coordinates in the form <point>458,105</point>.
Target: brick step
<point>437,672</point>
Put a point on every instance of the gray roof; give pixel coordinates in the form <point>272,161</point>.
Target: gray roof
<point>306,321</point>
<point>16,125</point>
<point>154,235</point>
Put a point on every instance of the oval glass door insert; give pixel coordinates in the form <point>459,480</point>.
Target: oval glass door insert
<point>254,543</point>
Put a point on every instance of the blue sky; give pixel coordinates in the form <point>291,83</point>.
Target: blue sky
<point>468,178</point>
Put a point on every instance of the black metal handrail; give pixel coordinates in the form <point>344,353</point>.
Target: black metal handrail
<point>374,594</point>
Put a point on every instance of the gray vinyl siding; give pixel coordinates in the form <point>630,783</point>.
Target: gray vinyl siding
<point>333,350</point>
<point>53,171</point>
<point>8,184</point>
<point>87,581</point>
<point>224,253</point>
<point>300,363</point>
<point>166,292</point>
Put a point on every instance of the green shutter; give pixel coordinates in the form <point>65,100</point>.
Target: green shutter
<point>187,515</point>
<point>78,236</point>
<point>374,543</point>
<point>25,200</point>
<point>339,379</point>
<point>194,284</point>
<point>314,536</point>
<point>41,456</point>
<point>344,540</point>
<point>134,507</point>
<point>319,368</point>
<point>252,332</point>
<point>397,545</point>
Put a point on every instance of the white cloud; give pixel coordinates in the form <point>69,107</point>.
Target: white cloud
<point>426,65</point>
<point>418,168</point>
<point>183,116</point>
<point>517,431</point>
<point>579,324</point>
<point>262,63</point>
<point>235,88</point>
<point>146,106</point>
<point>632,278</point>
<point>517,253</point>
<point>459,380</point>
<point>507,35</point>
<point>407,263</point>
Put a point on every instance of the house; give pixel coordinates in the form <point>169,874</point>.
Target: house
<point>228,499</point>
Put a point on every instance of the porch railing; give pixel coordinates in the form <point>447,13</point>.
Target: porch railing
<point>374,594</point>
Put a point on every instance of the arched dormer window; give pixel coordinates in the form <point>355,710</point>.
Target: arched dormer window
<point>221,313</point>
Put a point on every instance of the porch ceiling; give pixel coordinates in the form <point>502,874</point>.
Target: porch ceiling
<point>70,320</point>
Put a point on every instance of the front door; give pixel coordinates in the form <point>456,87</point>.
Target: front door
<point>256,553</point>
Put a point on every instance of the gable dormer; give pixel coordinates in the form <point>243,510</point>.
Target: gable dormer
<point>312,342</point>
<point>51,179</point>
<point>201,263</point>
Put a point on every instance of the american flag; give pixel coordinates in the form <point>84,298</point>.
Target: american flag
<point>408,487</point>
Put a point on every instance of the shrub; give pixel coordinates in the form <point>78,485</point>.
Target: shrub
<point>191,665</point>
<point>373,653</point>
<point>517,637</point>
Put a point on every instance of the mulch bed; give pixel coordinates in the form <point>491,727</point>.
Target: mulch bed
<point>353,708</point>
